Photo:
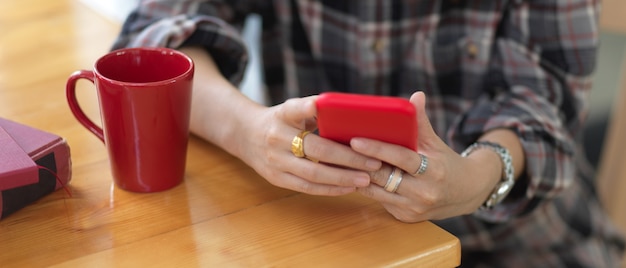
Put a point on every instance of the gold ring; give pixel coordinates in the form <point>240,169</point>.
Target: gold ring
<point>297,144</point>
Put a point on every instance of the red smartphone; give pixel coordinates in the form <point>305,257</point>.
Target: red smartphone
<point>343,116</point>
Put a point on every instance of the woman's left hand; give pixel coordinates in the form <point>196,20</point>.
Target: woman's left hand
<point>450,186</point>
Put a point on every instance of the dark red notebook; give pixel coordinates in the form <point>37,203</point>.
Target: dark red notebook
<point>33,163</point>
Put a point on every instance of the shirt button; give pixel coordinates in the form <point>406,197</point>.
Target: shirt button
<point>378,45</point>
<point>472,50</point>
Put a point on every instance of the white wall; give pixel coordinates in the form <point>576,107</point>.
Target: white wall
<point>116,10</point>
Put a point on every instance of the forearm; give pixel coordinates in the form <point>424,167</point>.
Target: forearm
<point>219,111</point>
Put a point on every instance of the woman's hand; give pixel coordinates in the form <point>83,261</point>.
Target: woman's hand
<point>450,186</point>
<point>267,148</point>
<point>262,136</point>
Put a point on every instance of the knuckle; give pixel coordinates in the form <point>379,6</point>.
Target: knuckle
<point>309,172</point>
<point>313,150</point>
<point>419,211</point>
<point>304,187</point>
<point>380,176</point>
<point>357,160</point>
<point>272,157</point>
<point>403,215</point>
<point>291,102</point>
<point>314,189</point>
<point>437,169</point>
<point>430,198</point>
<point>274,178</point>
<point>345,181</point>
<point>403,218</point>
<point>375,149</point>
<point>288,106</point>
<point>272,136</point>
<point>367,192</point>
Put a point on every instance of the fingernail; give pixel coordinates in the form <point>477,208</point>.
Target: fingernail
<point>373,164</point>
<point>362,181</point>
<point>356,143</point>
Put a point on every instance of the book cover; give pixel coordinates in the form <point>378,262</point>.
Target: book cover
<point>32,152</point>
<point>16,167</point>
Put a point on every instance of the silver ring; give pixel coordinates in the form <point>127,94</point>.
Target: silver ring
<point>423,165</point>
<point>394,180</point>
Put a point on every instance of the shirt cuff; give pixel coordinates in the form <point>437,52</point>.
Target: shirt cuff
<point>220,39</point>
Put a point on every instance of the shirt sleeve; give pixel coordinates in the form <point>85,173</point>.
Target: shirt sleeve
<point>173,24</point>
<point>544,54</point>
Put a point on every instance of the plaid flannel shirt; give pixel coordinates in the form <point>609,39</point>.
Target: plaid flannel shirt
<point>483,64</point>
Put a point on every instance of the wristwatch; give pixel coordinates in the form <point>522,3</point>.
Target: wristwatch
<point>505,185</point>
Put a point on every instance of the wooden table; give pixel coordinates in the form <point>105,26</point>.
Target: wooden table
<point>224,214</point>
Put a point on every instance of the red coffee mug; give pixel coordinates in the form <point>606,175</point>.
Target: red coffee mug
<point>145,103</point>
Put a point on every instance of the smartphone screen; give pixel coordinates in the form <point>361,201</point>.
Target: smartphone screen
<point>343,116</point>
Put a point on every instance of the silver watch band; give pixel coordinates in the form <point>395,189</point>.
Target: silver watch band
<point>505,185</point>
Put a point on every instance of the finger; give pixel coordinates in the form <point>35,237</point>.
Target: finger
<point>396,155</point>
<point>379,194</point>
<point>295,183</point>
<point>381,175</point>
<point>426,133</point>
<point>325,174</point>
<point>332,152</point>
<point>298,112</point>
<point>406,187</point>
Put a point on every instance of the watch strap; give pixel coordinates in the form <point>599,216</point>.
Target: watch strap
<point>504,186</point>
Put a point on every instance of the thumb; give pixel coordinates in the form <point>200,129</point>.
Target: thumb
<point>426,133</point>
<point>299,112</point>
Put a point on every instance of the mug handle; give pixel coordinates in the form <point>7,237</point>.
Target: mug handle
<point>70,90</point>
